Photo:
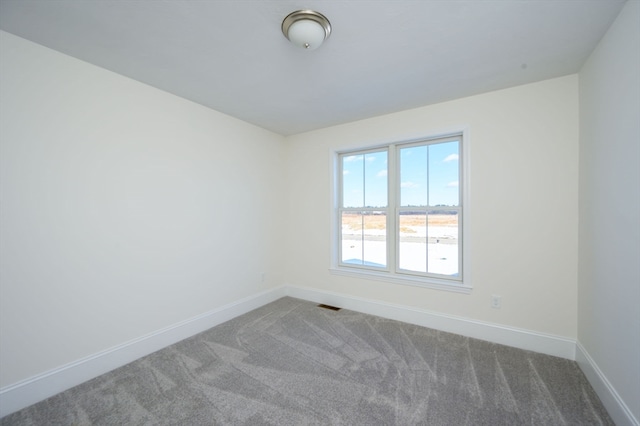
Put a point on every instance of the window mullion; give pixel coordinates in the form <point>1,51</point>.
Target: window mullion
<point>392,203</point>
<point>364,180</point>
<point>428,178</point>
<point>426,248</point>
<point>426,251</point>
<point>362,235</point>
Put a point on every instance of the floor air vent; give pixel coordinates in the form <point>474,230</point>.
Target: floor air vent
<point>332,308</point>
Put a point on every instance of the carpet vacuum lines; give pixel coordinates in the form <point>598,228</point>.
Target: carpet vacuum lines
<point>291,362</point>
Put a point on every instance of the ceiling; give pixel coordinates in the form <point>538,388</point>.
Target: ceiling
<point>381,57</point>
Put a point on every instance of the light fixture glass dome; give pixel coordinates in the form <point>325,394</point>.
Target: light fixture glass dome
<point>306,28</point>
<point>306,33</point>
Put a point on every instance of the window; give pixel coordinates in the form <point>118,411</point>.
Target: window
<point>399,212</point>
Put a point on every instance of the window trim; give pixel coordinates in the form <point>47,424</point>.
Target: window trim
<point>389,274</point>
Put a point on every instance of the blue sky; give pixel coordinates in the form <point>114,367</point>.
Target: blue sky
<point>429,174</point>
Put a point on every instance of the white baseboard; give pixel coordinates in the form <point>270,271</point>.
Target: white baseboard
<point>510,336</point>
<point>42,386</point>
<point>614,404</point>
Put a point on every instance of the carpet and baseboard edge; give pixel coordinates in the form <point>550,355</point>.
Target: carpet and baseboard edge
<point>615,405</point>
<point>42,386</point>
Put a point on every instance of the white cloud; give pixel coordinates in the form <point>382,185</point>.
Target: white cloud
<point>450,157</point>
<point>345,172</point>
<point>382,173</point>
<point>453,184</point>
<point>352,158</point>
<point>409,185</point>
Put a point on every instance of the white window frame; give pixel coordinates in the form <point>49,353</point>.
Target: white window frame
<point>391,272</point>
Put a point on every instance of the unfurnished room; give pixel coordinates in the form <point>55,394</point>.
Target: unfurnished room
<point>220,212</point>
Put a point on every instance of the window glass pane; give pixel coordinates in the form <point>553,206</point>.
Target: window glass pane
<point>444,174</point>
<point>375,183</point>
<point>429,243</point>
<point>364,238</point>
<point>352,233</point>
<point>412,248</point>
<point>414,176</point>
<point>375,239</point>
<point>442,247</point>
<point>353,181</point>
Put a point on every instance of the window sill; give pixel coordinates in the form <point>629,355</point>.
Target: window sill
<point>424,282</point>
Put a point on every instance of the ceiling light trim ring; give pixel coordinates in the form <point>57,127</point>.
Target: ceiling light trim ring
<point>306,14</point>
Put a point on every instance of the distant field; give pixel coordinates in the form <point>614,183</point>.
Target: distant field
<point>408,223</point>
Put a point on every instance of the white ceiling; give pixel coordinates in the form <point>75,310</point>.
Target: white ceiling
<point>382,56</point>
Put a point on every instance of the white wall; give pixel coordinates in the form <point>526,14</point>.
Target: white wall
<point>609,236</point>
<point>124,209</point>
<point>115,199</point>
<point>524,205</point>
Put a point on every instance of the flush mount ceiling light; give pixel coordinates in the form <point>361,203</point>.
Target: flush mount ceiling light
<point>306,28</point>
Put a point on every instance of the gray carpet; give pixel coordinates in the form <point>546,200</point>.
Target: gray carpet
<point>293,363</point>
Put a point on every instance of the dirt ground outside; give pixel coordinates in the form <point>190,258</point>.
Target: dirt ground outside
<point>416,225</point>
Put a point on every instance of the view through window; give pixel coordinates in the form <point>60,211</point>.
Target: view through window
<point>400,209</point>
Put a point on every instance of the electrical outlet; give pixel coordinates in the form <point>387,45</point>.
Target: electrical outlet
<point>496,301</point>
